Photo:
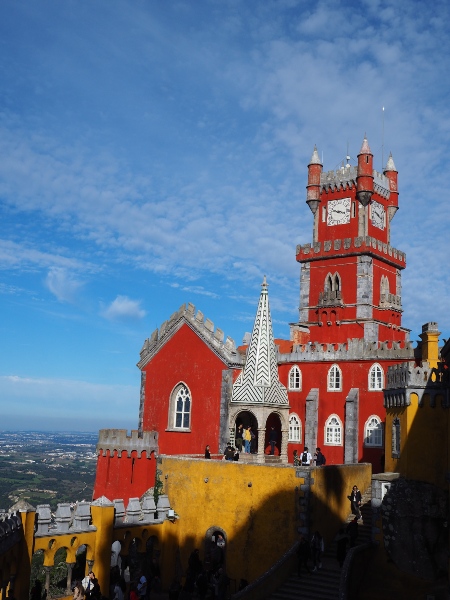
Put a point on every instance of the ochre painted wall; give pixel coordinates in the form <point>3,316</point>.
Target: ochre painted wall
<point>424,441</point>
<point>257,506</point>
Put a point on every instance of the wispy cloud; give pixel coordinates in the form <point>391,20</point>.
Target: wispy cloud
<point>124,308</point>
<point>63,284</point>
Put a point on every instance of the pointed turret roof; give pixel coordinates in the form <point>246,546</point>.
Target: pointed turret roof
<point>259,382</point>
<point>315,160</point>
<point>365,148</point>
<point>390,165</point>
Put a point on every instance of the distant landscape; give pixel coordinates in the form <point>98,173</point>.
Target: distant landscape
<point>46,467</point>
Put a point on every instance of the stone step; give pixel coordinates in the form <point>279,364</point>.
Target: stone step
<point>324,583</point>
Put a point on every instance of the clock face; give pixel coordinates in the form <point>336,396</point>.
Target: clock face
<point>339,211</point>
<point>378,215</point>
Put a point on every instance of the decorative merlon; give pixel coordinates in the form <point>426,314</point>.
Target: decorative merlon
<point>119,440</point>
<point>353,349</point>
<point>203,327</point>
<point>344,178</point>
<point>76,518</point>
<point>408,378</point>
<point>350,246</point>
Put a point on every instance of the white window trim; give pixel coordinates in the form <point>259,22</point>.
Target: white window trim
<point>327,424</point>
<point>381,429</point>
<point>300,432</point>
<point>173,409</point>
<point>291,371</point>
<point>334,389</point>
<point>369,383</point>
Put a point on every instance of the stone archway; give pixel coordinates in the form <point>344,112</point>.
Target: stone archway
<point>273,421</point>
<point>215,548</point>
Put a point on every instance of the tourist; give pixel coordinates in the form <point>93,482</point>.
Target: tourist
<point>88,583</point>
<point>239,437</point>
<point>319,458</point>
<point>317,548</point>
<point>207,452</point>
<point>355,500</point>
<point>247,439</point>
<point>78,592</point>
<point>296,459</point>
<point>352,531</point>
<point>303,554</point>
<point>306,457</point>
<point>341,546</point>
<point>273,440</point>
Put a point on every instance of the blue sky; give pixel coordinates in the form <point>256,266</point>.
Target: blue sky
<point>154,153</point>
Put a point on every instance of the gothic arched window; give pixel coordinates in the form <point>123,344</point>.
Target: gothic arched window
<point>334,379</point>
<point>180,408</point>
<point>373,432</point>
<point>295,379</point>
<point>376,378</point>
<point>333,431</point>
<point>295,429</point>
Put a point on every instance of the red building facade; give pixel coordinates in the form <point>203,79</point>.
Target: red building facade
<point>322,387</point>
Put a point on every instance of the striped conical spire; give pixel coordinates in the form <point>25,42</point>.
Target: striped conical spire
<point>259,380</point>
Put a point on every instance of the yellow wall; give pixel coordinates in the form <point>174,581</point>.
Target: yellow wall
<point>257,506</point>
<point>424,441</point>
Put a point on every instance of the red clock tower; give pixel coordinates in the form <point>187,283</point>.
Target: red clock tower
<point>350,274</point>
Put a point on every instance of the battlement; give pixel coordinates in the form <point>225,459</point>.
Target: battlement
<point>345,178</point>
<point>407,378</point>
<point>118,440</point>
<point>77,518</point>
<point>10,530</point>
<point>353,349</point>
<point>201,325</point>
<point>349,246</point>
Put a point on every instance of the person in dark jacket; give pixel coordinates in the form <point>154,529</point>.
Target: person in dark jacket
<point>319,458</point>
<point>303,555</point>
<point>355,499</point>
<point>273,440</point>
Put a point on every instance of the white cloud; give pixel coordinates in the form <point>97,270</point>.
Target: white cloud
<point>63,284</point>
<point>124,308</point>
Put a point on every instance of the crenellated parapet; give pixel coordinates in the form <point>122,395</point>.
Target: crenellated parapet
<point>204,327</point>
<point>353,349</point>
<point>345,179</point>
<point>408,378</point>
<point>118,440</point>
<point>10,530</point>
<point>349,247</point>
<point>77,518</point>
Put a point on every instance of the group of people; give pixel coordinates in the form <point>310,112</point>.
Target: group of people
<point>305,459</point>
<point>201,582</point>
<point>310,550</point>
<point>245,439</point>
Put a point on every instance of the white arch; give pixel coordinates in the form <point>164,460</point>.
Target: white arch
<point>376,378</point>
<point>333,431</point>
<point>295,379</point>
<point>373,432</point>
<point>334,379</point>
<point>180,407</point>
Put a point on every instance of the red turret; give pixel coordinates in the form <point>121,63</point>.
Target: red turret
<point>313,187</point>
<point>392,174</point>
<point>364,179</point>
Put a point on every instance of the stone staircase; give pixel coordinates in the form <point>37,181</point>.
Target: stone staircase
<point>325,582</point>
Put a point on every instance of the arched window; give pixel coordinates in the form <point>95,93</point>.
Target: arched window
<point>376,378</point>
<point>180,408</point>
<point>373,432</point>
<point>328,283</point>
<point>333,431</point>
<point>295,379</point>
<point>295,429</point>
<point>334,379</point>
<point>337,282</point>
